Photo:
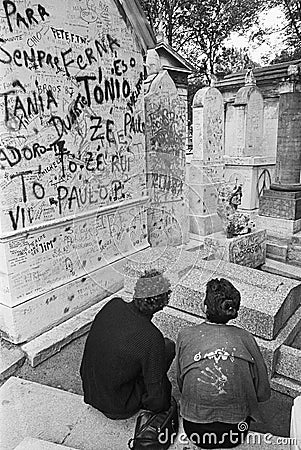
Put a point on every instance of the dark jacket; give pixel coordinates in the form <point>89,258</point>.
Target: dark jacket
<point>221,374</point>
<point>123,367</point>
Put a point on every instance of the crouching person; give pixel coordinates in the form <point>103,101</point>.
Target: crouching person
<point>221,373</point>
<point>126,358</point>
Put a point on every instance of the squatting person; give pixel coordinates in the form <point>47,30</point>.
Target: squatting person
<point>221,373</point>
<point>126,358</point>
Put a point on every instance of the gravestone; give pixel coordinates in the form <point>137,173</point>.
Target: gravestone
<point>72,153</point>
<point>206,168</point>
<point>248,122</point>
<point>166,165</point>
<point>245,160</point>
<point>246,250</point>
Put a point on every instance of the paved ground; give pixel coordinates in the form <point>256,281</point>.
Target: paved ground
<point>62,371</point>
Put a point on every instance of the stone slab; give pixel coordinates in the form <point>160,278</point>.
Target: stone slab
<point>282,269</point>
<point>31,409</point>
<point>289,362</point>
<point>51,415</point>
<point>250,160</point>
<point>280,204</point>
<point>283,228</point>
<point>30,319</point>
<point>270,348</point>
<point>276,251</point>
<point>174,262</point>
<point>246,250</point>
<point>286,386</point>
<point>267,300</point>
<point>38,261</point>
<point>38,444</point>
<point>11,358</point>
<point>51,342</point>
<point>204,224</point>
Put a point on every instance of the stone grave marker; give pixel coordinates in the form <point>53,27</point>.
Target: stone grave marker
<point>206,169</point>
<point>166,164</point>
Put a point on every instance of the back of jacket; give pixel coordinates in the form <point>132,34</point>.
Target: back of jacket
<point>221,374</point>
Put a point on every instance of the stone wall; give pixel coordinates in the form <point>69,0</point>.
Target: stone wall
<point>72,156</point>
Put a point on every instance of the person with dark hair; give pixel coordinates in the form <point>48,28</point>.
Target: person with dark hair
<point>126,358</point>
<point>221,373</point>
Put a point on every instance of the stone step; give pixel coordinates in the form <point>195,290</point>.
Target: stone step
<point>286,386</point>
<point>11,358</point>
<point>276,251</point>
<point>37,444</point>
<point>289,362</point>
<point>47,344</point>
<point>53,415</point>
<point>173,261</point>
<point>282,269</point>
<point>294,254</point>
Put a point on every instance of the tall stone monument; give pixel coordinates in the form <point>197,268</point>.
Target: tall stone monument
<point>245,160</point>
<point>165,161</point>
<point>206,168</point>
<point>280,206</point>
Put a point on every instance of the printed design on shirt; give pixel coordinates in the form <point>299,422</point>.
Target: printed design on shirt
<point>215,377</point>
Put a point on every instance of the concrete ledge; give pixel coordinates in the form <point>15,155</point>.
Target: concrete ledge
<point>270,349</point>
<point>11,358</point>
<point>286,386</point>
<point>43,412</point>
<point>51,342</point>
<point>267,301</point>
<point>38,444</point>
<point>175,262</point>
<point>282,269</point>
<point>289,362</point>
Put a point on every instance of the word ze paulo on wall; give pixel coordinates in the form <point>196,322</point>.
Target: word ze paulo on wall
<point>72,131</point>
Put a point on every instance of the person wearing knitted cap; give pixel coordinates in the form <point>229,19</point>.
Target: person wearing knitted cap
<point>126,358</point>
<point>221,373</point>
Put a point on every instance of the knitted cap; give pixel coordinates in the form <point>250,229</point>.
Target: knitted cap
<point>151,285</point>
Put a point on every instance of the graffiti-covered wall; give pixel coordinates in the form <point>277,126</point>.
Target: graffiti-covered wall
<point>72,149</point>
<point>166,163</point>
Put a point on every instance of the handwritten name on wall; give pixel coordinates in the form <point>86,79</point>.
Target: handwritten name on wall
<point>72,112</point>
<point>42,260</point>
<point>165,142</point>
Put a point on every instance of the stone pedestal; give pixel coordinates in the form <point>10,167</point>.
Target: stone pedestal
<point>281,204</point>
<point>254,173</point>
<point>205,172</point>
<point>246,250</point>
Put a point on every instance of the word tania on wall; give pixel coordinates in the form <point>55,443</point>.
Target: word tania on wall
<point>71,144</point>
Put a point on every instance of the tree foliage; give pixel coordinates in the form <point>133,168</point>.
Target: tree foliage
<point>197,28</point>
<point>292,9</point>
<point>292,30</point>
